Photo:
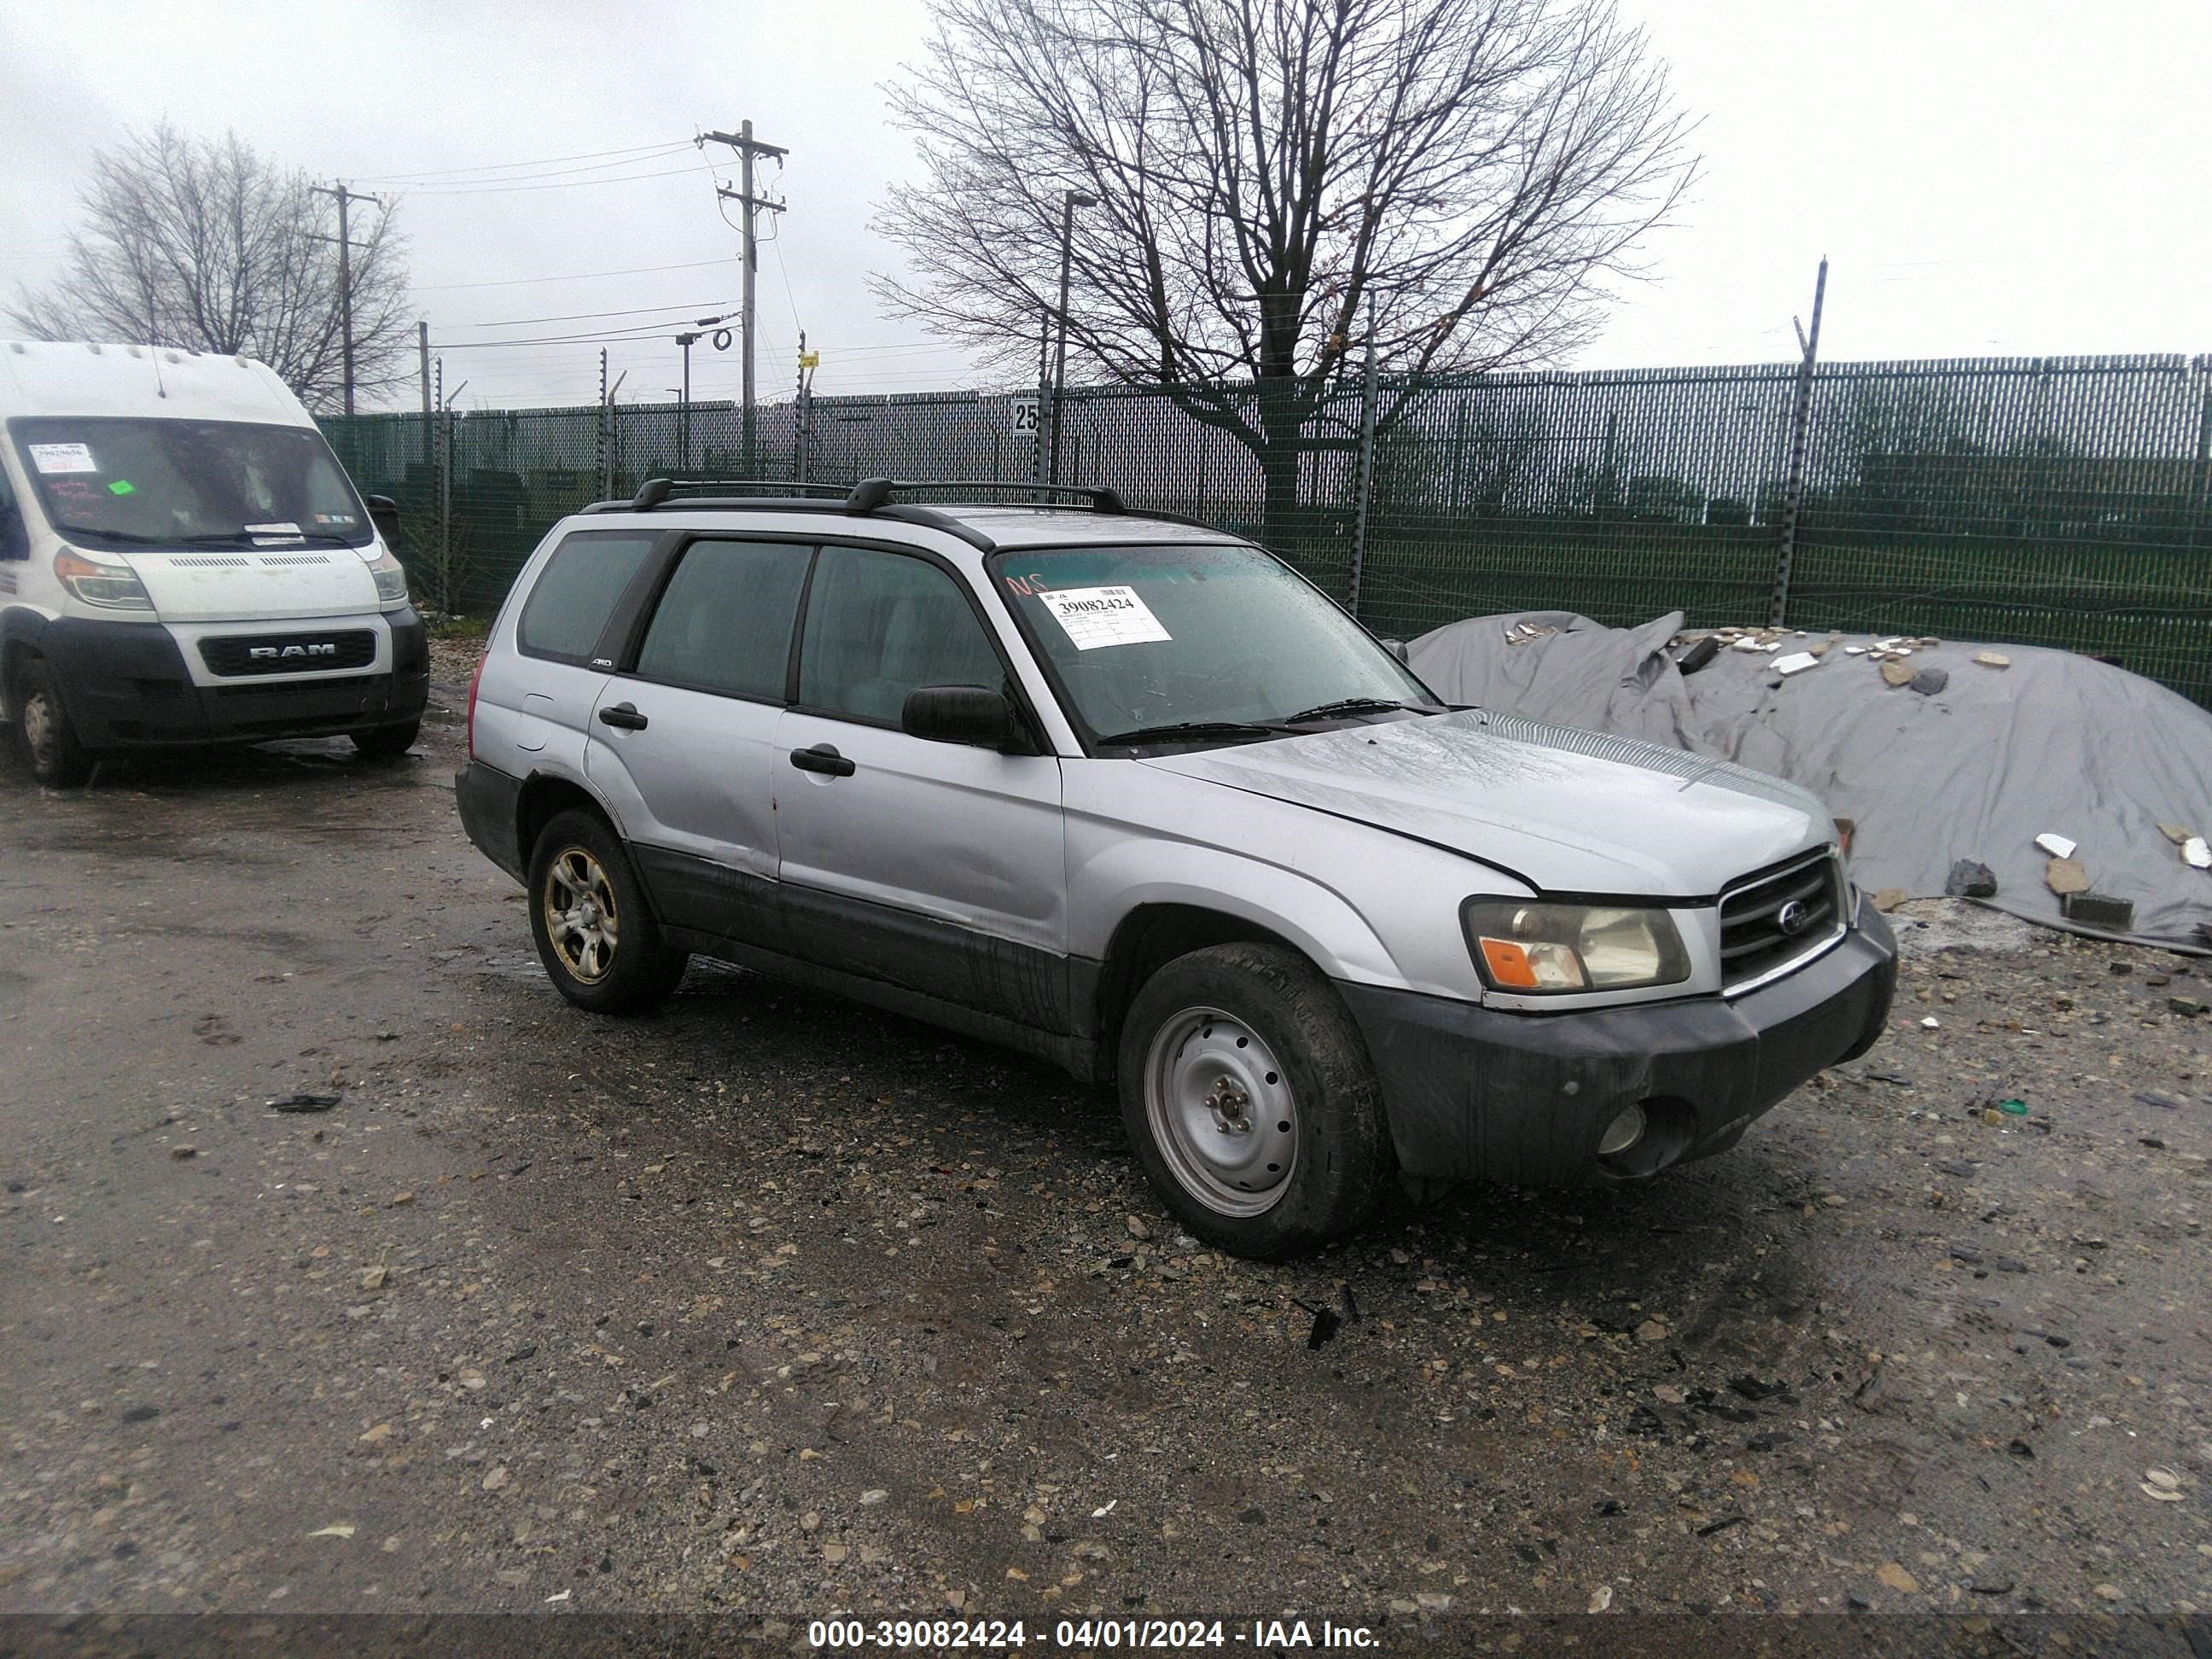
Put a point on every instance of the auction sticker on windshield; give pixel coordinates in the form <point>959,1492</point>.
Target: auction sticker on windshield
<point>1092,616</point>
<point>63,457</point>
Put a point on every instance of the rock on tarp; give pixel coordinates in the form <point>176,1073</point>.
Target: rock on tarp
<point>1977,770</point>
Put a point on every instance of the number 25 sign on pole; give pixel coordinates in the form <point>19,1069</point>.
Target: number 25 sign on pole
<point>1025,417</point>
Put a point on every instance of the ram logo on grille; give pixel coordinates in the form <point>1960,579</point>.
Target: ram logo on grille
<point>249,654</point>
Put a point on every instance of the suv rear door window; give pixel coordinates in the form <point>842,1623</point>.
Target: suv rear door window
<point>880,624</point>
<point>724,622</point>
<point>577,592</point>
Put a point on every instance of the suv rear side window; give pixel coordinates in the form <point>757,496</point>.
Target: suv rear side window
<point>724,622</point>
<point>577,591</point>
<point>880,624</point>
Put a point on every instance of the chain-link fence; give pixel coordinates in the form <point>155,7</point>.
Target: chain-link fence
<point>2063,502</point>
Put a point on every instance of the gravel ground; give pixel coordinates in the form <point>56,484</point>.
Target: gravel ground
<point>769,1303</point>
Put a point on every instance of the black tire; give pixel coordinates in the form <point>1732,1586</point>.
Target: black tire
<point>624,969</point>
<point>1309,1102</point>
<point>388,742</point>
<point>43,731</point>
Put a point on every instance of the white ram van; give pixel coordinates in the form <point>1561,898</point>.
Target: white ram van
<point>183,561</point>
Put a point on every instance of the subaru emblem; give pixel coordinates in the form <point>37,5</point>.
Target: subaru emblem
<point>1792,918</point>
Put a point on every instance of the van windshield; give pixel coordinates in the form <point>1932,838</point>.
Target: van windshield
<point>125,482</point>
<point>1204,644</point>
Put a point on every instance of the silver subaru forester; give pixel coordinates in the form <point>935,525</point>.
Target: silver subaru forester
<point>1131,794</point>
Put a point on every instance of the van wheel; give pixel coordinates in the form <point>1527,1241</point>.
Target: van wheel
<point>43,728</point>
<point>1247,1094</point>
<point>388,742</point>
<point>600,945</point>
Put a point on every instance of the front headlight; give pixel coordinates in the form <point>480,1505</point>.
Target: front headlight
<point>391,579</point>
<point>1554,949</point>
<point>110,587</point>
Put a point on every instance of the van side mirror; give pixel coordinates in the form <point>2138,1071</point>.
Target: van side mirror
<point>960,714</point>
<point>15,536</point>
<point>1397,648</point>
<point>384,514</point>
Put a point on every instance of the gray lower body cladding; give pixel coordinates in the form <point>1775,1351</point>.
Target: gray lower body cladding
<point>489,801</point>
<point>1476,1093</point>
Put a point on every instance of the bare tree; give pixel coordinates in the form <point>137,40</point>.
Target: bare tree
<point>1264,170</point>
<point>203,244</point>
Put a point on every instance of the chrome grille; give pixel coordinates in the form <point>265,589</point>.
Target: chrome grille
<point>1775,918</point>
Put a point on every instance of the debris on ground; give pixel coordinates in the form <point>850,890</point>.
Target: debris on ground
<point>2066,876</point>
<point>2099,910</point>
<point>304,1102</point>
<point>1968,880</point>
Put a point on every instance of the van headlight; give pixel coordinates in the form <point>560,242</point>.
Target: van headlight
<point>1545,949</point>
<point>110,587</point>
<point>391,579</point>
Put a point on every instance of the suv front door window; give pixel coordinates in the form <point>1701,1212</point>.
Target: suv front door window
<point>937,866</point>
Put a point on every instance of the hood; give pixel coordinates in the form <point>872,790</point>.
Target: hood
<point>254,583</point>
<point>1566,811</point>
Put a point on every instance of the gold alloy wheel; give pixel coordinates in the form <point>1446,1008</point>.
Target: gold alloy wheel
<point>580,915</point>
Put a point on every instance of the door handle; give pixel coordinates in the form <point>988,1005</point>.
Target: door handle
<point>625,716</point>
<point>825,758</point>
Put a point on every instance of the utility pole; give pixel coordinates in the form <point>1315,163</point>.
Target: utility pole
<point>1367,462</point>
<point>1069,202</point>
<point>1793,488</point>
<point>422,357</point>
<point>684,412</point>
<point>344,198</point>
<point>747,147</point>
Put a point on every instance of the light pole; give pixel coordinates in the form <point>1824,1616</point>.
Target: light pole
<point>684,415</point>
<point>1069,201</point>
<point>685,340</point>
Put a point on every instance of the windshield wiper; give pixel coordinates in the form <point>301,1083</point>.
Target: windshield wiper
<point>256,538</point>
<point>1198,729</point>
<point>1346,706</point>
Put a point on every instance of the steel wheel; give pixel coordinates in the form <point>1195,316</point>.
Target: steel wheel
<point>581,917</point>
<point>1221,1111</point>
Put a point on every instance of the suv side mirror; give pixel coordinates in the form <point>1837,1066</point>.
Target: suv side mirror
<point>960,714</point>
<point>384,514</point>
<point>1397,648</point>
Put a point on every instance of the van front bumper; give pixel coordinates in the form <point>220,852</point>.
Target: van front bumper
<point>127,685</point>
<point>1475,1093</point>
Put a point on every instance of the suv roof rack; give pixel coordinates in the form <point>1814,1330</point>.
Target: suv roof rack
<point>870,493</point>
<point>871,497</point>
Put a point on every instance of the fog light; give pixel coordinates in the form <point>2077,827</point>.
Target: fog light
<point>1622,1132</point>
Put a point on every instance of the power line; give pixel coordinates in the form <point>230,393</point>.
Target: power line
<point>548,161</point>
<point>449,187</point>
<point>590,316</point>
<point>577,276</point>
<point>571,184</point>
<point>637,332</point>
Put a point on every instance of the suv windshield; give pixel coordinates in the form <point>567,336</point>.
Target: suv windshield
<point>127,482</point>
<point>1222,640</point>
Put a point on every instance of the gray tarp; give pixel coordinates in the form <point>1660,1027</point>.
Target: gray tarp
<point>2055,742</point>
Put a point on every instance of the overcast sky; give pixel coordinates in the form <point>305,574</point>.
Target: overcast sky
<point>2024,178</point>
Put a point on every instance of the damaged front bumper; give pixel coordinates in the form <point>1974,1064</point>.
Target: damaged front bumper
<point>1475,1093</point>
